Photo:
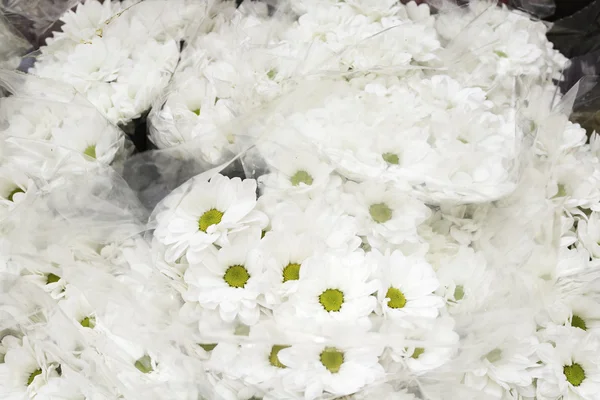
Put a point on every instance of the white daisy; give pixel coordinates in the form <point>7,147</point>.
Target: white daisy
<point>283,254</point>
<point>100,140</point>
<point>423,349</point>
<point>259,359</point>
<point>332,369</point>
<point>408,285</point>
<point>229,279</point>
<point>505,367</point>
<point>569,365</point>
<point>588,231</point>
<point>333,288</point>
<point>465,280</point>
<point>294,169</point>
<point>203,212</point>
<point>25,367</point>
<point>384,214</point>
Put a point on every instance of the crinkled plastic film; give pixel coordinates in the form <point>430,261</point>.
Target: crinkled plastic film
<point>33,18</point>
<point>13,45</point>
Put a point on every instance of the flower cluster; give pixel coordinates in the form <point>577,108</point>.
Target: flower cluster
<point>402,209</point>
<point>119,55</point>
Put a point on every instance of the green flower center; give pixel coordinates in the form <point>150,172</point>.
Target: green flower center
<point>397,299</point>
<point>332,300</point>
<point>90,151</point>
<point>88,322</point>
<point>236,276</point>
<point>197,110</point>
<point>33,375</point>
<point>562,191</point>
<point>494,355</point>
<point>578,322</point>
<point>11,195</point>
<point>208,347</point>
<point>417,353</point>
<point>301,177</point>
<point>272,74</point>
<point>291,272</point>
<point>144,364</point>
<point>574,373</point>
<point>332,359</point>
<point>380,212</point>
<point>273,359</point>
<point>51,278</point>
<point>501,54</point>
<point>391,158</point>
<point>209,218</point>
<point>459,292</point>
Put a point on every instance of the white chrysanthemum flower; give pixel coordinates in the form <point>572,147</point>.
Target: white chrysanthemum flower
<point>465,280</point>
<point>407,286</point>
<point>259,359</point>
<point>98,140</point>
<point>294,170</point>
<point>229,279</point>
<point>419,350</point>
<point>384,214</point>
<point>588,231</point>
<point>208,212</point>
<point>504,368</point>
<point>569,365</point>
<point>283,254</point>
<point>25,368</point>
<point>331,369</point>
<point>333,288</point>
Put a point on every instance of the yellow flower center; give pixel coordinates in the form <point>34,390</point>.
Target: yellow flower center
<point>332,359</point>
<point>391,158</point>
<point>144,364</point>
<point>397,299</point>
<point>301,177</point>
<point>236,276</point>
<point>88,322</point>
<point>494,355</point>
<point>417,353</point>
<point>274,359</point>
<point>208,347</point>
<point>332,300</point>
<point>209,218</point>
<point>459,292</point>
<point>574,373</point>
<point>578,322</point>
<point>11,195</point>
<point>380,212</point>
<point>291,272</point>
<point>33,375</point>
<point>51,278</point>
<point>90,151</point>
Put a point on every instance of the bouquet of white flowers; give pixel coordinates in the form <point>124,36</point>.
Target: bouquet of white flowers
<point>348,199</point>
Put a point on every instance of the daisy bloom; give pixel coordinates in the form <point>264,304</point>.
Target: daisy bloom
<point>25,368</point>
<point>570,367</point>
<point>333,288</point>
<point>206,211</point>
<point>384,214</point>
<point>336,370</point>
<point>229,279</point>
<point>408,285</point>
